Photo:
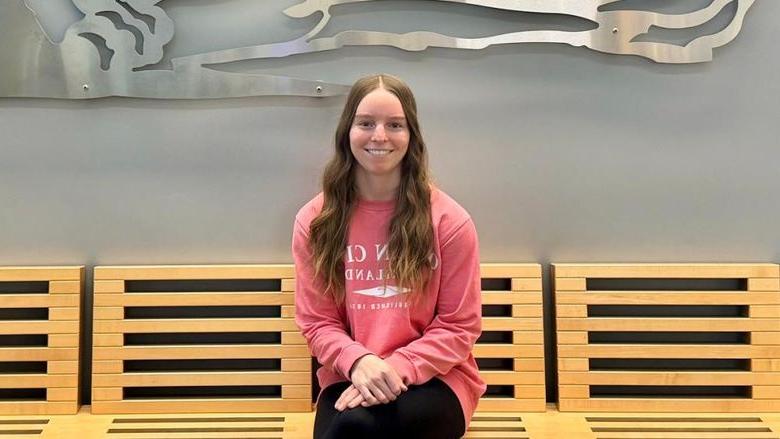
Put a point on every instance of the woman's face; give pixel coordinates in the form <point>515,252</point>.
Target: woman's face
<point>379,136</point>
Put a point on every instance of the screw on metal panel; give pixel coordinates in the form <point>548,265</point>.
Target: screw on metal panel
<point>86,87</point>
<point>318,89</point>
<point>614,30</point>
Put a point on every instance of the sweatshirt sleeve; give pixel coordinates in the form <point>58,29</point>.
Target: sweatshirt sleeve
<point>323,325</point>
<point>457,324</point>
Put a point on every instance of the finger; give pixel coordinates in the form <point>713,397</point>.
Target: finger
<point>356,401</point>
<point>345,397</point>
<point>382,392</point>
<point>396,383</point>
<point>367,395</point>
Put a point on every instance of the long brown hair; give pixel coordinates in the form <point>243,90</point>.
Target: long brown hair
<point>410,232</point>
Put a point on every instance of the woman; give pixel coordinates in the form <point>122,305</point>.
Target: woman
<point>387,280</point>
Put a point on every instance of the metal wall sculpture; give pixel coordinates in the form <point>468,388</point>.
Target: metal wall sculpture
<point>104,53</point>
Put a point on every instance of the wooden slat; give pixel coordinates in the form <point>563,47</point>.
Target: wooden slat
<point>573,391</point>
<point>665,324</point>
<point>765,311</point>
<point>288,285</point>
<point>107,366</point>
<point>668,351</point>
<point>193,325</point>
<point>511,405</point>
<point>692,271</point>
<point>199,352</point>
<point>487,350</point>
<point>510,377</point>
<point>511,324</point>
<point>528,337</point>
<point>107,394</point>
<point>665,298</point>
<point>529,364</point>
<point>30,380</point>
<point>32,274</point>
<point>527,284</point>
<point>108,287</point>
<point>233,378</point>
<point>63,394</point>
<point>565,364</point>
<point>767,392</point>
<point>57,287</point>
<point>763,284</point>
<point>570,284</point>
<point>194,299</point>
<point>511,298</point>
<point>266,405</point>
<point>296,364</point>
<point>62,367</point>
<point>64,313</point>
<point>699,378</point>
<point>293,391</point>
<point>38,408</point>
<point>572,337</point>
<point>38,354</point>
<point>64,340</point>
<point>667,405</point>
<point>765,365</point>
<point>38,327</point>
<point>187,272</point>
<point>527,311</point>
<point>761,338</point>
<point>38,300</point>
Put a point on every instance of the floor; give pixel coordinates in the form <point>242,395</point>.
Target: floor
<point>549,425</point>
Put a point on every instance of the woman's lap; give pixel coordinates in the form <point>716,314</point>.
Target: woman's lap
<point>430,411</point>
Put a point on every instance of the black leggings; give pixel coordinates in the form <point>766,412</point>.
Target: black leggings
<point>427,411</point>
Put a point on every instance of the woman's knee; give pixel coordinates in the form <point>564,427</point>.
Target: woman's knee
<point>354,423</point>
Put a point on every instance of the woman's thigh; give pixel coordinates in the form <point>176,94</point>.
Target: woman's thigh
<point>429,411</point>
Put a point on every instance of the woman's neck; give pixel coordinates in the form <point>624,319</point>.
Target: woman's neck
<point>377,188</point>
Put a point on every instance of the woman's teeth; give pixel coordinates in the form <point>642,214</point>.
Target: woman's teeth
<point>378,151</point>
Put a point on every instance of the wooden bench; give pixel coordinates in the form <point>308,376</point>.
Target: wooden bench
<point>195,339</point>
<point>39,339</point>
<point>668,337</point>
<point>538,425</point>
<point>510,352</point>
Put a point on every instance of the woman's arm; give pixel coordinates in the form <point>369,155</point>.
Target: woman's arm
<point>323,326</point>
<point>457,324</point>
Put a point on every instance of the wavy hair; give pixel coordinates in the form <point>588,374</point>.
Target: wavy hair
<point>410,231</point>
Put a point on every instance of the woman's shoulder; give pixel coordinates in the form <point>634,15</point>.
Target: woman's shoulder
<point>310,210</point>
<point>446,213</point>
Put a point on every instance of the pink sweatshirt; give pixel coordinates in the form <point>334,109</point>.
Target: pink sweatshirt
<point>431,339</point>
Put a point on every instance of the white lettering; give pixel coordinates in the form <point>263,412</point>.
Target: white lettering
<point>381,250</point>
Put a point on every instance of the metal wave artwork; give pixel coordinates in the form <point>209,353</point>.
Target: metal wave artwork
<point>110,50</point>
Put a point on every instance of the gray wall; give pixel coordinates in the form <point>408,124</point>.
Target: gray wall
<point>560,154</point>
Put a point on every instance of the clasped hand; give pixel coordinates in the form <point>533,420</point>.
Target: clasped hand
<point>374,382</point>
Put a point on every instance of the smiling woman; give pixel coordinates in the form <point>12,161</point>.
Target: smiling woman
<point>393,327</point>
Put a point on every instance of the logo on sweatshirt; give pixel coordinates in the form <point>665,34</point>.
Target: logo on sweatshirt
<point>383,291</point>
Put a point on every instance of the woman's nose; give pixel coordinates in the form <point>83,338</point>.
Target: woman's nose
<point>379,134</point>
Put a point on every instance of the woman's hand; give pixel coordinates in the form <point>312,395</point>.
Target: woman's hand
<point>350,398</point>
<point>375,380</point>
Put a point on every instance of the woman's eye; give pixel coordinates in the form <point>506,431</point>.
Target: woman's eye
<point>365,124</point>
<point>396,125</point>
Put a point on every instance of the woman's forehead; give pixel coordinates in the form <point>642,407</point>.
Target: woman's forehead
<point>380,101</point>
